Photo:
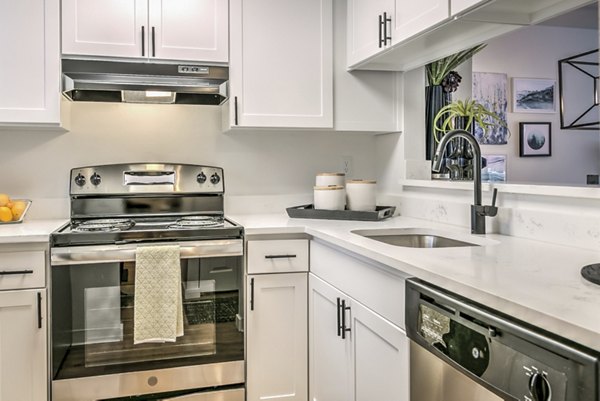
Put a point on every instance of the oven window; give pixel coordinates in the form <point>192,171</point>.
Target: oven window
<point>93,310</point>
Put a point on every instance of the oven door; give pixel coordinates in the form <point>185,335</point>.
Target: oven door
<point>93,291</point>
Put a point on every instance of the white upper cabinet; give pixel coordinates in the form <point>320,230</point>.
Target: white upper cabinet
<point>281,64</point>
<point>30,66</point>
<point>189,30</point>
<point>376,25</point>
<point>426,30</point>
<point>366,25</point>
<point>412,17</point>
<point>116,28</point>
<point>155,29</point>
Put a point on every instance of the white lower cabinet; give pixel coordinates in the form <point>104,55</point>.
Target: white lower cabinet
<point>354,353</point>
<point>276,324</point>
<point>23,355</point>
<point>330,357</point>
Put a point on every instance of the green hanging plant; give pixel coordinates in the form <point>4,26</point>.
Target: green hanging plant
<point>437,70</point>
<point>469,109</point>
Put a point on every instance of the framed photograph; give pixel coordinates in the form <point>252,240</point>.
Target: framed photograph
<point>535,139</point>
<point>532,95</point>
<point>495,168</point>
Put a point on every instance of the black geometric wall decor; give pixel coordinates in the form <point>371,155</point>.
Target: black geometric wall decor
<point>579,91</point>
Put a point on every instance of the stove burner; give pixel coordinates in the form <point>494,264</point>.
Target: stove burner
<point>198,221</point>
<point>104,225</point>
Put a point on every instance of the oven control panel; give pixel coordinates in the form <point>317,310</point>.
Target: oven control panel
<point>145,178</point>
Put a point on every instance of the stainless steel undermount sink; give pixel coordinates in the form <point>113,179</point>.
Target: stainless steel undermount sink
<point>419,238</point>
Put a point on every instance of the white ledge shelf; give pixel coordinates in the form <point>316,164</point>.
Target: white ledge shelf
<point>583,192</point>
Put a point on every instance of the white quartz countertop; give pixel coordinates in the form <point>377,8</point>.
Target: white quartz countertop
<point>534,281</point>
<point>29,231</point>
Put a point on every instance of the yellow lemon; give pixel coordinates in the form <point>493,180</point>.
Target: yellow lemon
<point>4,199</point>
<point>5,214</point>
<point>17,209</point>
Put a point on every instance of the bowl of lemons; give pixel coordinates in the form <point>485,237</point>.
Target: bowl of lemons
<point>12,211</point>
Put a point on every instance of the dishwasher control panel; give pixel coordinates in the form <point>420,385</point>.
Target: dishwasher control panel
<point>508,357</point>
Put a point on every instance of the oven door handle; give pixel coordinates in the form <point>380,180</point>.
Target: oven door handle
<point>77,255</point>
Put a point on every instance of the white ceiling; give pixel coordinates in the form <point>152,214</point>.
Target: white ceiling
<point>584,17</point>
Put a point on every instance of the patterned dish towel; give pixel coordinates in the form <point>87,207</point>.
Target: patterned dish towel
<point>157,309</point>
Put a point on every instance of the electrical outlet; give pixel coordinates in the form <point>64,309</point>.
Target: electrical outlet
<point>347,166</point>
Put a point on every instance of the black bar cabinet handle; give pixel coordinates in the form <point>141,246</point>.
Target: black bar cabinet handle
<point>39,308</point>
<point>252,293</point>
<point>339,323</point>
<point>235,110</point>
<point>279,256</point>
<point>153,43</point>
<point>345,329</point>
<point>143,41</point>
<point>387,36</point>
<point>11,272</point>
<point>381,43</point>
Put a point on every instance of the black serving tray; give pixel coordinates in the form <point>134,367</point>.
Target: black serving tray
<point>309,212</point>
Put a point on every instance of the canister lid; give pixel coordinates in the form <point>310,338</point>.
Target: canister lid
<point>331,174</point>
<point>328,187</point>
<point>361,182</point>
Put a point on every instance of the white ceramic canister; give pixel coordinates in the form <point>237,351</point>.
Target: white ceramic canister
<point>361,195</point>
<point>325,179</point>
<point>330,197</point>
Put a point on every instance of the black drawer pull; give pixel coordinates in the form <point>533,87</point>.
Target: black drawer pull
<point>153,42</point>
<point>279,256</point>
<point>143,41</point>
<point>344,329</point>
<point>252,293</point>
<point>339,317</point>
<point>39,308</point>
<point>13,272</point>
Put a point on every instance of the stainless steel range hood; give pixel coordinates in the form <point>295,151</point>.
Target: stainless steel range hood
<point>110,81</point>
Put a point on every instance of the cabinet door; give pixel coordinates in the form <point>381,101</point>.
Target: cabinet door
<point>115,28</point>
<point>330,356</point>
<point>281,63</point>
<point>364,31</point>
<point>412,17</point>
<point>23,357</point>
<point>276,337</point>
<point>381,357</point>
<point>30,66</point>
<point>194,30</point>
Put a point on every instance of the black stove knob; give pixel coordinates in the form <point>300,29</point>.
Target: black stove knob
<point>201,178</point>
<point>80,180</point>
<point>539,387</point>
<point>96,179</point>
<point>215,179</point>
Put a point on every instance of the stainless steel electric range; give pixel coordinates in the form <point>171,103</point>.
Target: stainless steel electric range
<point>114,210</point>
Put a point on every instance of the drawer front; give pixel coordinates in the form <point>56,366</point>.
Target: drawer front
<point>22,270</point>
<point>374,286</point>
<point>277,256</point>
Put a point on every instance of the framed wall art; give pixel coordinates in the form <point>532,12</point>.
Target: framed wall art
<point>491,91</point>
<point>495,168</point>
<point>532,95</point>
<point>535,139</point>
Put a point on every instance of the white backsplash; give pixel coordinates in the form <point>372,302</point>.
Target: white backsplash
<point>560,220</point>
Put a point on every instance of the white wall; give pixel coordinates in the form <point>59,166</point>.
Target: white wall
<point>36,164</point>
<point>534,52</point>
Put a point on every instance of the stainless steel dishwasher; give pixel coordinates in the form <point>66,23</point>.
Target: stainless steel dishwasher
<point>463,351</point>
